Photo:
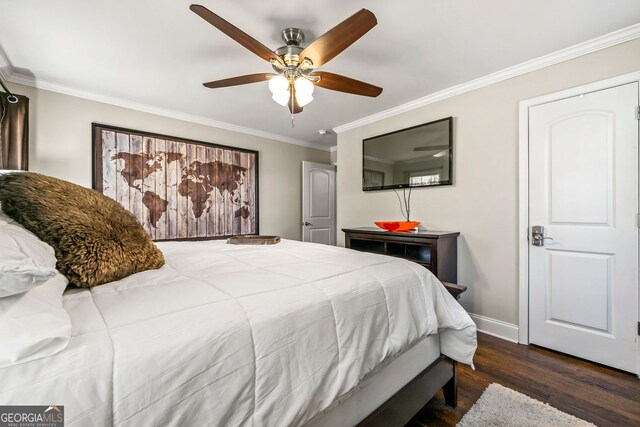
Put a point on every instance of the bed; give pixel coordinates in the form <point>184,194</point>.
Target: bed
<point>287,334</point>
<point>244,335</point>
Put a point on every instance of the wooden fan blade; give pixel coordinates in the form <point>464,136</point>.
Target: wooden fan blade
<point>346,84</point>
<point>294,107</point>
<point>340,37</point>
<point>240,80</point>
<point>235,33</point>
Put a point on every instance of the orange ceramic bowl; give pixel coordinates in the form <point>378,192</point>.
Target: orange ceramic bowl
<point>397,225</point>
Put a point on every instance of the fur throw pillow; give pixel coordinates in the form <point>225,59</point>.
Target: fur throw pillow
<point>95,239</point>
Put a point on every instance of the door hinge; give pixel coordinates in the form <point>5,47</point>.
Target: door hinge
<point>638,328</point>
<point>638,220</point>
<point>638,112</point>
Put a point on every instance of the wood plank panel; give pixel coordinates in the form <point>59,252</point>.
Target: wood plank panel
<point>161,189</point>
<point>201,191</point>
<point>244,196</point>
<point>109,164</point>
<point>123,159</point>
<point>172,177</point>
<point>148,183</point>
<point>211,212</point>
<point>251,183</point>
<point>135,190</point>
<point>220,196</point>
<point>237,195</point>
<point>192,230</point>
<point>228,199</point>
<point>183,202</point>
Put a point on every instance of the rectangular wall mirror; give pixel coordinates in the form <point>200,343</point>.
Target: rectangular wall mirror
<point>419,156</point>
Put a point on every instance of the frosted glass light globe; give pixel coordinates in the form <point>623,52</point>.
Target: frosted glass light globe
<point>278,85</point>
<point>281,97</point>
<point>303,99</point>
<point>303,86</point>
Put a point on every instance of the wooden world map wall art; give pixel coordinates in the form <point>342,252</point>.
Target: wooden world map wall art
<point>177,188</point>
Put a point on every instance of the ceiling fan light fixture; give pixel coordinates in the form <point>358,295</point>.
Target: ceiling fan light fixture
<point>303,86</point>
<point>281,97</point>
<point>295,80</point>
<point>303,99</point>
<point>303,90</point>
<point>279,85</point>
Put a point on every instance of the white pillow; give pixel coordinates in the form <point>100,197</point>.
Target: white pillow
<point>34,324</point>
<point>25,260</point>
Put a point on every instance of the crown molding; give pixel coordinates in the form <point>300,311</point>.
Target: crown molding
<point>8,74</point>
<point>590,46</point>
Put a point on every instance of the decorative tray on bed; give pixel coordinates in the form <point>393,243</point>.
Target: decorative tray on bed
<point>253,240</point>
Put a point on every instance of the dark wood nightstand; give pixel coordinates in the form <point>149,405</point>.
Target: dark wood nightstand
<point>455,289</point>
<point>434,250</point>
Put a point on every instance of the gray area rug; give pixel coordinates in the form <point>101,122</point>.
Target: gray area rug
<point>502,407</point>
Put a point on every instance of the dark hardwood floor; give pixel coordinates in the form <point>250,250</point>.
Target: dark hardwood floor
<point>603,396</point>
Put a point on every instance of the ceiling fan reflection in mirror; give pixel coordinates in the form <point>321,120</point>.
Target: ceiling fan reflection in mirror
<point>434,150</point>
<point>295,77</point>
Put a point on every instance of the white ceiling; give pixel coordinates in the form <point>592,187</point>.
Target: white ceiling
<point>158,53</point>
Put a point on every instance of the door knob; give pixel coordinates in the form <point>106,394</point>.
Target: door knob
<point>537,235</point>
<point>306,224</point>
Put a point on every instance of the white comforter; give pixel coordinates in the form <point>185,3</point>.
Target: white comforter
<point>237,335</point>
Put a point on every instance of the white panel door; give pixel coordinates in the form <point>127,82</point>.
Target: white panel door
<point>583,189</point>
<point>318,203</point>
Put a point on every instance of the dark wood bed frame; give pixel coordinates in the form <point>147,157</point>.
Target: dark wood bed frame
<point>402,406</point>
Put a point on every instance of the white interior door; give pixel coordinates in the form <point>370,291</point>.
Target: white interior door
<point>318,203</point>
<point>583,189</point>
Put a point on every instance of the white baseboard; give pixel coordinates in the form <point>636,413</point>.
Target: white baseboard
<point>496,328</point>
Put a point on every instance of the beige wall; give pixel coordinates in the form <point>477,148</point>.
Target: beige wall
<point>334,157</point>
<point>60,145</point>
<point>482,203</point>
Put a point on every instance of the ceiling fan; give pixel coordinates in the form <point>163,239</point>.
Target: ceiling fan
<point>295,77</point>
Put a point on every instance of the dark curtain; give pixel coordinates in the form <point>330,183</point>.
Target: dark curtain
<point>14,132</point>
